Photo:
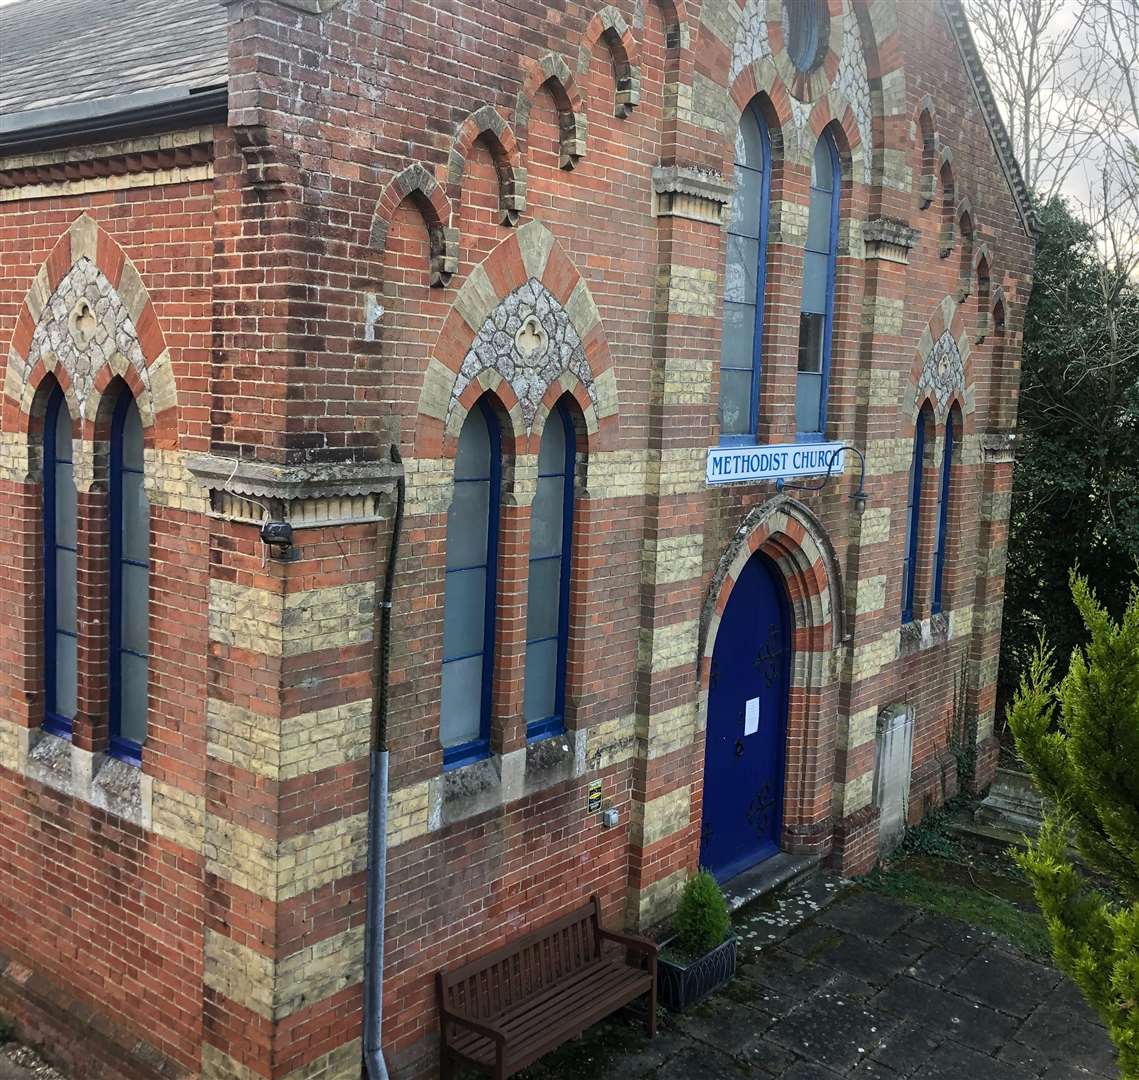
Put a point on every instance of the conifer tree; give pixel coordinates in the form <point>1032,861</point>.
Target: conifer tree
<point>1080,740</point>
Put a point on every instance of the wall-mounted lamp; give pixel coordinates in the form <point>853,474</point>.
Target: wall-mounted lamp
<point>858,496</point>
<point>277,536</point>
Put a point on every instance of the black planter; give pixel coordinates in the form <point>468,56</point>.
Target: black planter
<point>680,986</point>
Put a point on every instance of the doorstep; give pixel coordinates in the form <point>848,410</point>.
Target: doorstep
<point>779,870</point>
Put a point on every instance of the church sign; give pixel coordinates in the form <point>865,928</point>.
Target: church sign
<point>740,464</point>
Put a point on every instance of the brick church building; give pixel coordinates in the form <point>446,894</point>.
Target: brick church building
<point>618,282</point>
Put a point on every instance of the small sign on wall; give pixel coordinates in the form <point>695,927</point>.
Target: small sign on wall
<point>594,796</point>
<point>738,464</point>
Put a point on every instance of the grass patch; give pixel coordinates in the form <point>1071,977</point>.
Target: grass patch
<point>979,905</point>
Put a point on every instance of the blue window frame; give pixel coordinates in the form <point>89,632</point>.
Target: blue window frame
<point>817,309</point>
<point>470,590</point>
<point>913,520</point>
<point>547,597</point>
<point>744,282</point>
<point>130,584</point>
<point>59,563</point>
<point>943,515</point>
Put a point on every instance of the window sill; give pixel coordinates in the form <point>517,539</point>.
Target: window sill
<point>501,779</point>
<point>109,784</point>
<point>917,636</point>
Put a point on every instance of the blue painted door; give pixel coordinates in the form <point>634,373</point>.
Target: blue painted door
<point>747,722</point>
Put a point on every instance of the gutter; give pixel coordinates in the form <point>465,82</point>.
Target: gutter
<point>378,810</point>
<point>113,118</point>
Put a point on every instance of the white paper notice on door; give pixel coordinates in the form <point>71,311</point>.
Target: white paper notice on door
<point>751,716</point>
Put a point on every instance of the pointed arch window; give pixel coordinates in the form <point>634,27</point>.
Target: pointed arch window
<point>744,281</point>
<point>470,589</point>
<point>130,583</point>
<point>817,313</point>
<point>913,516</point>
<point>943,512</point>
<point>547,600</point>
<point>60,543</point>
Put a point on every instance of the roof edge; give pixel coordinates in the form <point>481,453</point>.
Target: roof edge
<point>971,58</point>
<point>108,119</point>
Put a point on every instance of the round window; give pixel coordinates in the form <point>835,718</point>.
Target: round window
<point>806,27</point>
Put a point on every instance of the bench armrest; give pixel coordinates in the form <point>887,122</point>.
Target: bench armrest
<point>630,941</point>
<point>479,1027</point>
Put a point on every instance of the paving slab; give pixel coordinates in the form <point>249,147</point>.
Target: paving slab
<point>834,1030</point>
<point>869,915</point>
<point>1002,981</point>
<point>1061,1034</point>
<point>951,1061</point>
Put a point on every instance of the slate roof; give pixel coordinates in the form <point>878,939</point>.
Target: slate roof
<point>61,55</point>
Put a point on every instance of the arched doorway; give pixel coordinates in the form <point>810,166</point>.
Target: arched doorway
<point>745,739</point>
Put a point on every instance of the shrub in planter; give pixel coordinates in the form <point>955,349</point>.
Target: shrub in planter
<point>700,957</point>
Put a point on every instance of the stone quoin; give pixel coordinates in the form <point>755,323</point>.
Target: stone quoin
<point>556,255</point>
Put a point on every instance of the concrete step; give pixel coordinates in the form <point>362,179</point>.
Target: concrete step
<point>779,870</point>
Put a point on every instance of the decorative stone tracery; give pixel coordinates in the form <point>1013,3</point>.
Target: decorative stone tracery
<point>943,375</point>
<point>84,324</point>
<point>851,82</point>
<point>529,340</point>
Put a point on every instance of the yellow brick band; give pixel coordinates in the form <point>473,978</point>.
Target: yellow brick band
<point>665,732</point>
<point>654,902</point>
<point>295,746</point>
<point>275,991</point>
<point>280,870</point>
<point>343,1063</point>
<point>265,622</point>
<point>611,742</point>
<point>660,817</point>
<point>667,647</point>
<point>673,558</point>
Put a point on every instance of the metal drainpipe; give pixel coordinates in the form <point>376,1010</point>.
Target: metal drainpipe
<point>378,812</point>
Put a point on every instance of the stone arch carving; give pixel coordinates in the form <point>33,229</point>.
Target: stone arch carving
<point>429,198</point>
<point>942,368</point>
<point>524,324</point>
<point>87,317</point>
<point>790,534</point>
<point>609,26</point>
<point>487,124</point>
<point>553,72</point>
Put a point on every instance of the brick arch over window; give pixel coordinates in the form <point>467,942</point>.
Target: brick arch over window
<point>429,198</point>
<point>948,202</point>
<point>486,124</point>
<point>760,79</point>
<point>928,146</point>
<point>942,370</point>
<point>527,271</point>
<point>86,318</point>
<point>552,72</point>
<point>795,540</point>
<point>610,27</point>
<point>834,111</point>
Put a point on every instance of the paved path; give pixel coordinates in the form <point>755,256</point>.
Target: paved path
<point>870,988</point>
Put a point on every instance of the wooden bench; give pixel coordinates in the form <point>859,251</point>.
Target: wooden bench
<point>505,1010</point>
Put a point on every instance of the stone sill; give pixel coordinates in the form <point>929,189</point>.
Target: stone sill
<point>919,635</point>
<point>502,779</point>
<point>113,786</point>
